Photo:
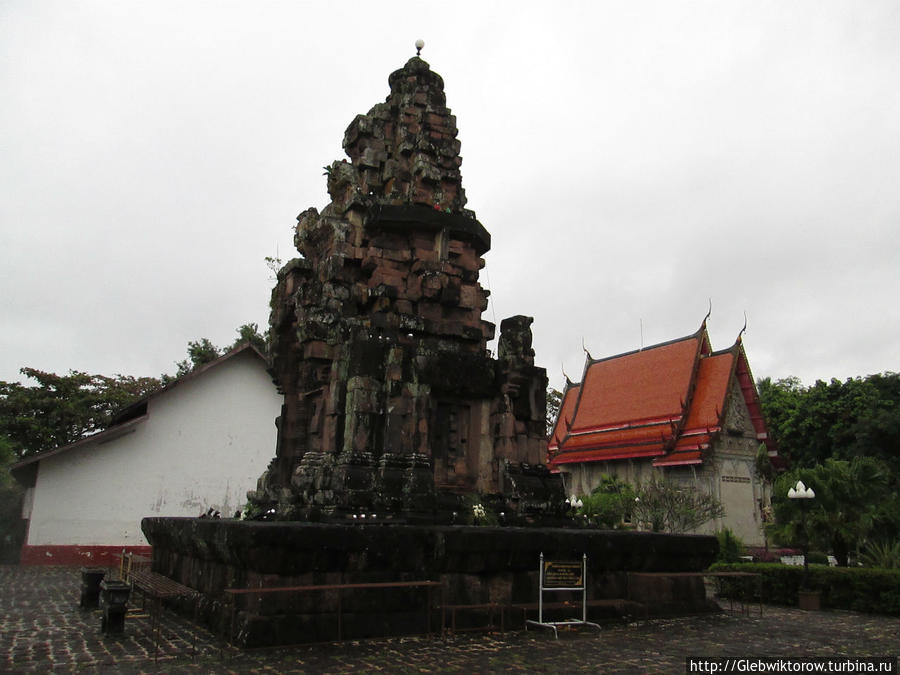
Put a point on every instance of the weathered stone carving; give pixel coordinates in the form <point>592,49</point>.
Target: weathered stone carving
<point>393,404</point>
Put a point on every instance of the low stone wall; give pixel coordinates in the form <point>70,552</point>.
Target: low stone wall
<point>474,564</point>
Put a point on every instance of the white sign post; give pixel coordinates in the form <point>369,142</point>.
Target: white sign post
<point>557,576</point>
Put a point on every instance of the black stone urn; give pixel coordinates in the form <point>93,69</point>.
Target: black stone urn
<point>113,602</point>
<point>91,577</point>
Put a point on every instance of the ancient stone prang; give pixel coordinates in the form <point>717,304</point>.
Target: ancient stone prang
<point>393,405</point>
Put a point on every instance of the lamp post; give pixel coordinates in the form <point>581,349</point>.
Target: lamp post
<point>574,502</point>
<point>803,493</point>
<point>572,505</point>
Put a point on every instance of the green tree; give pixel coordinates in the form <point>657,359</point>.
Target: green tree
<point>554,402</point>
<point>12,527</point>
<point>249,332</point>
<point>664,506</point>
<point>859,417</point>
<point>856,418</point>
<point>876,432</point>
<point>200,352</point>
<point>886,519</point>
<point>780,400</point>
<point>731,547</point>
<point>609,504</point>
<point>844,511</point>
<point>203,351</point>
<point>60,409</point>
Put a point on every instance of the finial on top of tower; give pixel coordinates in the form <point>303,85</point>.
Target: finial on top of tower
<point>419,44</point>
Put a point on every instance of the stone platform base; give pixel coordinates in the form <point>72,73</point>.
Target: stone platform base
<point>474,565</point>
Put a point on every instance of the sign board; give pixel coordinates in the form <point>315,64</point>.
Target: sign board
<point>563,574</point>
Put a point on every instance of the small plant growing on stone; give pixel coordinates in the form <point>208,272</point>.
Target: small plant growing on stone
<point>274,263</point>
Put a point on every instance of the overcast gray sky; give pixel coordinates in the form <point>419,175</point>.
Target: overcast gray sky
<point>632,161</point>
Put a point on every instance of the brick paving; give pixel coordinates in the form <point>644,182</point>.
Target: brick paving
<point>43,629</point>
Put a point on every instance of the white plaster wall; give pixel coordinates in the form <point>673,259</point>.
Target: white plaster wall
<point>730,477</point>
<point>740,491</point>
<point>582,478</point>
<point>205,443</point>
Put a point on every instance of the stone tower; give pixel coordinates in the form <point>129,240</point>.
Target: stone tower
<point>392,402</point>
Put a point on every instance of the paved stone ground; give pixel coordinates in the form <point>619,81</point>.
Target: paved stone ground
<point>43,629</point>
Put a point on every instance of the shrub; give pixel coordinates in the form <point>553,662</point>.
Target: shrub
<point>664,506</point>
<point>609,503</point>
<point>859,589</point>
<point>884,555</point>
<point>818,558</point>
<point>731,548</point>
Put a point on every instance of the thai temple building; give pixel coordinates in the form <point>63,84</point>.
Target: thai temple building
<point>679,408</point>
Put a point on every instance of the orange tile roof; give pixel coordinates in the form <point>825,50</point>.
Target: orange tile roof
<point>626,452</point>
<point>664,401</point>
<point>649,384</point>
<point>621,435</point>
<point>710,391</point>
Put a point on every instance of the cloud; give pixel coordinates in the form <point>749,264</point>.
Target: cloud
<point>631,161</point>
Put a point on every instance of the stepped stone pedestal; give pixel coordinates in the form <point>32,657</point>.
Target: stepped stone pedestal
<point>396,412</point>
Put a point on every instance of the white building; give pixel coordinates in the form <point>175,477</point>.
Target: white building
<point>197,444</point>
